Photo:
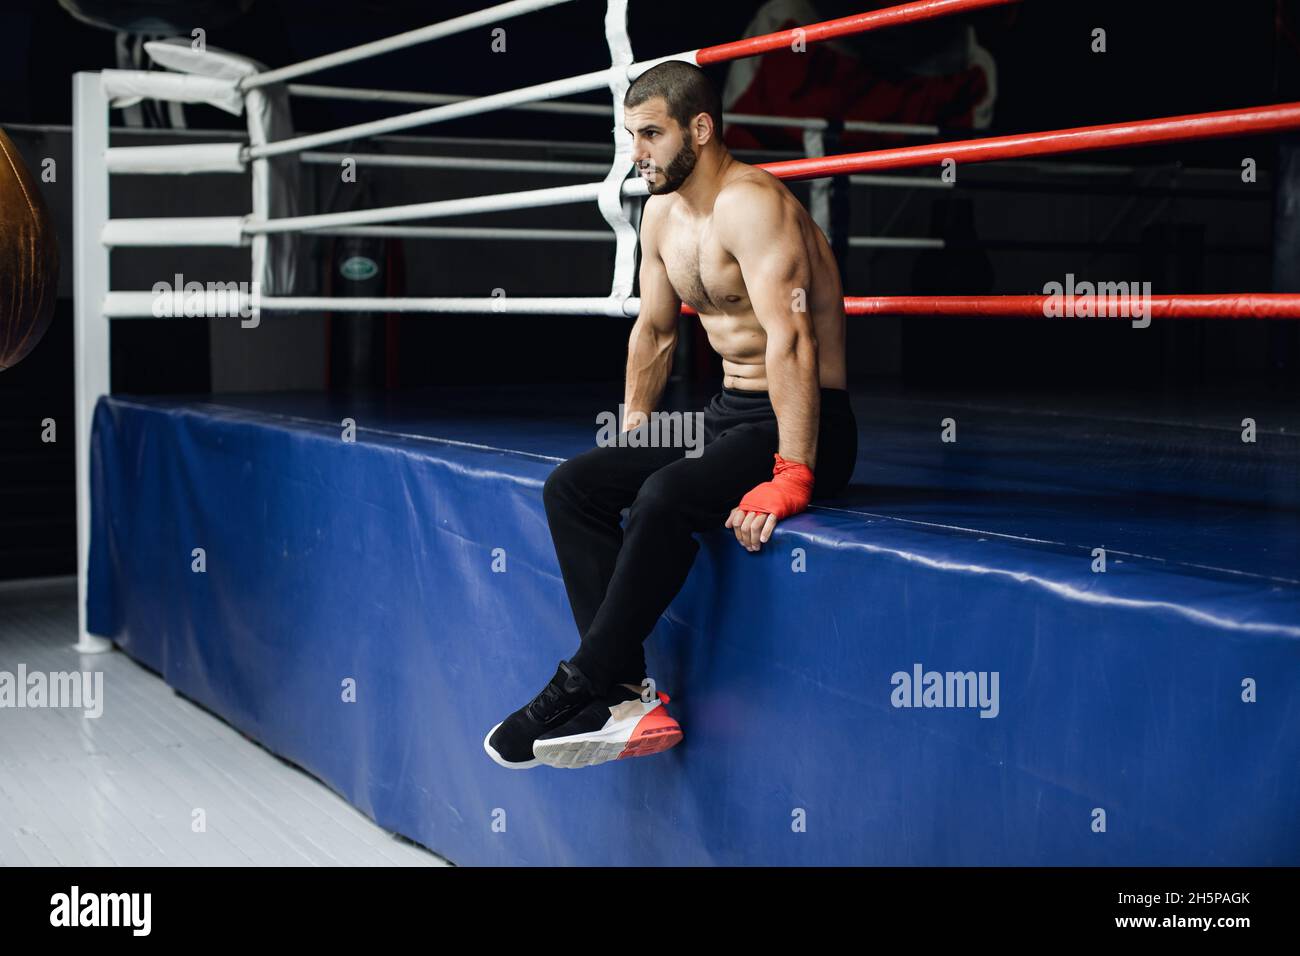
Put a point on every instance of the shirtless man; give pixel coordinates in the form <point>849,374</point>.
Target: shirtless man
<point>731,241</point>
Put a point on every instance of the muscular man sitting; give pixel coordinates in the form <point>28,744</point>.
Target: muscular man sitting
<point>732,242</point>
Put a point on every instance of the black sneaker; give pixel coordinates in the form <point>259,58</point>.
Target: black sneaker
<point>510,743</point>
<point>619,725</point>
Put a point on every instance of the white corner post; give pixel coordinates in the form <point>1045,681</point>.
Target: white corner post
<point>260,169</point>
<point>610,198</point>
<point>819,200</point>
<point>90,325</point>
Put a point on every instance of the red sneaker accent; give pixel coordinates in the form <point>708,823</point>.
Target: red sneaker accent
<point>655,732</point>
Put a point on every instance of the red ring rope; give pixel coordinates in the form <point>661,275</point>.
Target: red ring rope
<point>1171,129</point>
<point>845,26</point>
<point>1243,305</point>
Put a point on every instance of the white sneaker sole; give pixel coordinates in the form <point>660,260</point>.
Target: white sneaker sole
<point>502,760</point>
<point>634,736</point>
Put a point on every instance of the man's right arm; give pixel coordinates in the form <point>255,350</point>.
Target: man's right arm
<point>654,334</point>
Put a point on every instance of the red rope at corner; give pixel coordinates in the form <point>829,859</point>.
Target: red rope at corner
<point>845,26</point>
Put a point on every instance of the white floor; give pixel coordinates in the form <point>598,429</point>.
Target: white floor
<point>122,789</point>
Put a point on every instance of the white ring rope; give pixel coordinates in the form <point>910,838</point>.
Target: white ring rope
<point>434,31</point>
<point>141,305</point>
<point>439,208</point>
<point>184,159</point>
<point>171,231</point>
<point>439,114</point>
<point>475,163</point>
<point>472,232</point>
<point>591,109</point>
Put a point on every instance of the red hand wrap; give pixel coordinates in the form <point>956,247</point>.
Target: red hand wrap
<point>788,493</point>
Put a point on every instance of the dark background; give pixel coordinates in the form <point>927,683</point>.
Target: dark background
<point>1183,232</point>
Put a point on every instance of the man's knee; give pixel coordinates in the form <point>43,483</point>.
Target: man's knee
<point>560,484</point>
<point>573,480</point>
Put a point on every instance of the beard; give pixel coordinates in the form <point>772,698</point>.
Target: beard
<point>679,168</point>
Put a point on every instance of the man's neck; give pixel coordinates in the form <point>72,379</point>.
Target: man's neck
<point>705,182</point>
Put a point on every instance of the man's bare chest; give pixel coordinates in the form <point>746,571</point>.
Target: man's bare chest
<point>704,275</point>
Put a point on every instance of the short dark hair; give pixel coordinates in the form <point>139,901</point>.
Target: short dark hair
<point>684,87</point>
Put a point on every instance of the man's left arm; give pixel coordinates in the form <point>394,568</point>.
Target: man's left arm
<point>761,232</point>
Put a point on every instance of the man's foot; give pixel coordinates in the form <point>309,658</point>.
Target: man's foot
<point>510,743</point>
<point>623,723</point>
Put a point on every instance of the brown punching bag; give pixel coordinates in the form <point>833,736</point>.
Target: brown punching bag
<point>29,259</point>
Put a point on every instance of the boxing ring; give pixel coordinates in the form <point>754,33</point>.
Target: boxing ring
<point>367,608</point>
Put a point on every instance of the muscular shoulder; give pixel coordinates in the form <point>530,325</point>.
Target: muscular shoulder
<point>753,204</point>
<point>653,216</point>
